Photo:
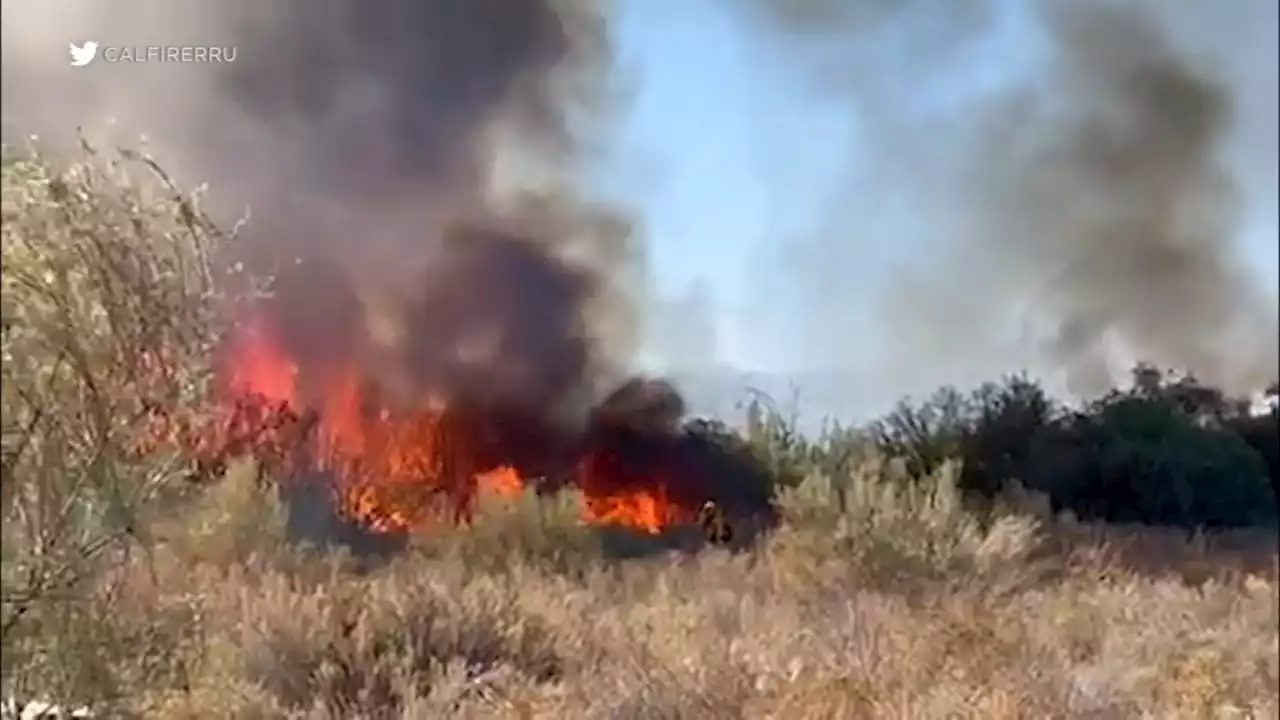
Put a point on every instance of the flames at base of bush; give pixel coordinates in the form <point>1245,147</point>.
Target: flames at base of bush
<point>398,471</point>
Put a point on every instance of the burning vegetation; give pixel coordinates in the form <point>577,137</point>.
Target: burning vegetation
<point>451,299</point>
<point>395,468</point>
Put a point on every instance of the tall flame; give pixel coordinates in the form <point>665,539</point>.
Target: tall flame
<point>398,470</point>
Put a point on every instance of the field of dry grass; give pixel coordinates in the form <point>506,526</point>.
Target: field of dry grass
<point>129,591</point>
<point>902,607</point>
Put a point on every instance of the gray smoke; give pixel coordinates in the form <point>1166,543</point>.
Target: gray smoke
<point>1073,219</point>
<point>412,169</point>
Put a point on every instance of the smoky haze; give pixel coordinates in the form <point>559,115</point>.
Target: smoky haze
<point>424,163</point>
<point>411,173</point>
<point>1071,220</point>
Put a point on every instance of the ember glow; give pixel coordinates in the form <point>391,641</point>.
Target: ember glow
<point>397,471</point>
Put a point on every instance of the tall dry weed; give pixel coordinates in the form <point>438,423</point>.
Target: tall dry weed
<point>110,312</point>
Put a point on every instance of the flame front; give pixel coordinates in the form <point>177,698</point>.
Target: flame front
<point>397,471</point>
<point>632,494</point>
<point>648,511</point>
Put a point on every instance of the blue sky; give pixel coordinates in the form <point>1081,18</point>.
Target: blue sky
<point>703,131</point>
<point>703,199</point>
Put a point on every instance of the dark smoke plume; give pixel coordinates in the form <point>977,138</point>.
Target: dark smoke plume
<point>415,172</point>
<point>1090,197</point>
<point>411,167</point>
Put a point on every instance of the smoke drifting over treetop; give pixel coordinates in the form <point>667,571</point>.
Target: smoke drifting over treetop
<point>1089,195</point>
<point>1135,183</point>
<point>387,158</point>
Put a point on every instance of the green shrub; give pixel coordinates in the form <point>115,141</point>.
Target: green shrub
<point>1167,451</point>
<point>1262,433</point>
<point>1145,460</point>
<point>928,435</point>
<point>998,444</point>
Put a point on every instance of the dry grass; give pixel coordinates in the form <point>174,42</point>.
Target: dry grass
<point>904,607</point>
<point>145,602</point>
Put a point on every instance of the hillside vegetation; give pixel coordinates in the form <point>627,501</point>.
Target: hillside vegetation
<point>991,554</point>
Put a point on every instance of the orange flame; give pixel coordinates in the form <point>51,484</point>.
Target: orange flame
<point>396,471</point>
<point>261,367</point>
<point>642,510</point>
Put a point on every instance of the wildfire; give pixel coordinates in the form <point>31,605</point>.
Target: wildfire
<point>645,510</point>
<point>396,471</point>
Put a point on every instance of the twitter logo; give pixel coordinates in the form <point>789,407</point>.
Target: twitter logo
<point>83,55</point>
